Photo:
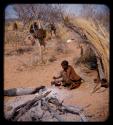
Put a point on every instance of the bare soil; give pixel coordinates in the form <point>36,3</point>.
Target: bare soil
<point>17,75</point>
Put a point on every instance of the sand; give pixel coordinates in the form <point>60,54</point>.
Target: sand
<point>16,75</point>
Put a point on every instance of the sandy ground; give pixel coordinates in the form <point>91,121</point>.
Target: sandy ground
<point>17,76</point>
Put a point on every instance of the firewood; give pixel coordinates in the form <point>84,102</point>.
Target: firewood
<point>71,109</point>
<point>53,113</point>
<point>22,91</point>
<point>22,109</point>
<point>77,111</point>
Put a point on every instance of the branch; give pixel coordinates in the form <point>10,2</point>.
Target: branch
<point>53,113</point>
<point>22,109</point>
<point>71,109</point>
<point>22,91</point>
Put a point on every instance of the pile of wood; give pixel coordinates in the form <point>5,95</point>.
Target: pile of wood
<point>44,106</point>
<point>98,38</point>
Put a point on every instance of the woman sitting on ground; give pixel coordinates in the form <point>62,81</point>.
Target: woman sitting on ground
<point>67,77</point>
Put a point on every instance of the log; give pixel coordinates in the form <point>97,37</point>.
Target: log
<point>22,91</point>
<point>71,109</point>
<point>53,113</point>
<point>83,117</point>
<point>63,107</point>
<point>100,70</point>
<point>55,101</point>
<point>22,109</point>
<point>75,111</point>
<point>101,74</point>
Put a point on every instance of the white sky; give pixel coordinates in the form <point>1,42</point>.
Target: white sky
<point>74,8</point>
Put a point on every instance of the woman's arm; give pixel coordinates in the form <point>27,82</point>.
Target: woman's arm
<point>58,76</point>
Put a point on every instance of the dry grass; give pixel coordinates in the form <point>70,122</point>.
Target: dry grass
<point>99,39</point>
<point>63,32</point>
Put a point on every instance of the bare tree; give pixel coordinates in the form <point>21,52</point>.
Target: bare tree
<point>45,12</point>
<point>88,11</point>
<point>98,13</point>
<point>104,16</point>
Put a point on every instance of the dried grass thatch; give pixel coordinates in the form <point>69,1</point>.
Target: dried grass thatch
<point>98,38</point>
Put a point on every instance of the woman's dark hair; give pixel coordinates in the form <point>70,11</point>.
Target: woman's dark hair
<point>65,62</point>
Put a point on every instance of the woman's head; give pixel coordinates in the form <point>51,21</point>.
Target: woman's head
<point>64,64</point>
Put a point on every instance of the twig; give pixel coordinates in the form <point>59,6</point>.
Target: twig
<point>96,88</point>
